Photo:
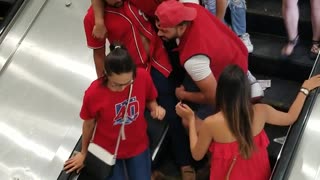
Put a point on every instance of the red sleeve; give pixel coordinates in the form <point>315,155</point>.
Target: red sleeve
<point>88,28</point>
<point>151,90</point>
<point>86,113</point>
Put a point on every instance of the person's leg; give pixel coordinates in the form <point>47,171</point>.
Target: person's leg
<point>177,133</point>
<point>139,167</point>
<point>211,6</point>
<point>290,13</point>
<point>239,23</point>
<point>118,172</point>
<point>221,7</point>
<point>315,20</point>
<point>238,16</point>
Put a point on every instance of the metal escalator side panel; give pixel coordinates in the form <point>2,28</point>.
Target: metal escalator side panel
<point>41,89</point>
<point>286,159</point>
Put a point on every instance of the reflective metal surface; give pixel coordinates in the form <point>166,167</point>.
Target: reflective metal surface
<point>306,163</point>
<point>45,67</point>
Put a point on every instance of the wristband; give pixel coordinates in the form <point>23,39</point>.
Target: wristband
<point>305,91</point>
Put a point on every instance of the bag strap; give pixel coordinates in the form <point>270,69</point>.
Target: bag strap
<point>234,160</point>
<point>121,133</point>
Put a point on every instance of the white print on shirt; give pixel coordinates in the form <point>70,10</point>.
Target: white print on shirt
<point>132,112</point>
<point>143,15</point>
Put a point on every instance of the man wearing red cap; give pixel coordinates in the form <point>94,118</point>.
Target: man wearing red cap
<point>206,47</point>
<point>129,26</point>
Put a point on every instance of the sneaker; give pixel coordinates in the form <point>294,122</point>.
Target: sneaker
<point>245,38</point>
<point>256,89</point>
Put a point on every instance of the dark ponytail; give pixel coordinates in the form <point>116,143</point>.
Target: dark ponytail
<point>118,61</point>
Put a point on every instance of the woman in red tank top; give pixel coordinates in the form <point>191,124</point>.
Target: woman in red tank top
<point>235,135</point>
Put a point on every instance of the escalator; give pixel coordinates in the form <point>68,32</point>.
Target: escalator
<point>285,74</point>
<point>8,9</point>
<point>45,69</point>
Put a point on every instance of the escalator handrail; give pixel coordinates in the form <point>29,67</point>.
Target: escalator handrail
<point>286,156</point>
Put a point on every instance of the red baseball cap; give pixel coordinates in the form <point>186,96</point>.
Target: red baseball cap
<point>170,13</point>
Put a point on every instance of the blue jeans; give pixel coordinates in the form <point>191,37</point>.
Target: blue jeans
<point>135,168</point>
<point>238,14</point>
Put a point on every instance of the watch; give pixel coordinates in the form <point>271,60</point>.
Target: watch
<point>305,91</point>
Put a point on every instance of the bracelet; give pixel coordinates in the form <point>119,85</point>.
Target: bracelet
<point>305,91</point>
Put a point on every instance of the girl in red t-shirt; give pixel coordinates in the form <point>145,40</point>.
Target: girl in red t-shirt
<point>104,103</point>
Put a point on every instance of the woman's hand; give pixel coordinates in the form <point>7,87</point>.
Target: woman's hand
<point>75,163</point>
<point>186,113</point>
<point>158,113</point>
<point>312,83</point>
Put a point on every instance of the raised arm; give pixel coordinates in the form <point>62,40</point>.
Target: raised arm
<point>99,30</point>
<point>199,140</point>
<point>282,118</point>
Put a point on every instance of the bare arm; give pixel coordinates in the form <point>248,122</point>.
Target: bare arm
<point>207,92</point>
<point>87,131</point>
<point>98,57</point>
<point>281,118</point>
<point>198,68</point>
<point>221,8</point>
<point>157,112</point>
<point>99,30</point>
<point>199,142</point>
<point>76,162</point>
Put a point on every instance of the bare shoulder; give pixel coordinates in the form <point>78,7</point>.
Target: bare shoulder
<point>214,121</point>
<point>260,108</point>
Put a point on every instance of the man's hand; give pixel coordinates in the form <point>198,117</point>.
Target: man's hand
<point>179,92</point>
<point>99,31</point>
<point>158,113</point>
<point>74,163</point>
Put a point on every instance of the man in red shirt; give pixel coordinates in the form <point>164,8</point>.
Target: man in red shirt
<point>100,30</point>
<point>128,25</point>
<point>206,47</point>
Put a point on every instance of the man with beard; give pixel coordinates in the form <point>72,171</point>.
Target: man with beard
<point>129,26</point>
<point>206,46</point>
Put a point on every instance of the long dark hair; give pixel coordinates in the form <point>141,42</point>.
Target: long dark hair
<point>233,100</point>
<point>118,61</point>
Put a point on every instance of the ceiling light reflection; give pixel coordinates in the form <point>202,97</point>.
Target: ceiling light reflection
<point>44,85</point>
<point>61,61</point>
<point>16,173</point>
<point>25,143</point>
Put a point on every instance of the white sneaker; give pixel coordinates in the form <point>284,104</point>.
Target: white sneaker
<point>246,41</point>
<point>256,89</point>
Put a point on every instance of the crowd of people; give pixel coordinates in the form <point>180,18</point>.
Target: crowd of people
<point>184,66</point>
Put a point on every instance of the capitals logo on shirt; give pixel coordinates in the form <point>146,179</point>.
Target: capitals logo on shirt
<point>132,112</point>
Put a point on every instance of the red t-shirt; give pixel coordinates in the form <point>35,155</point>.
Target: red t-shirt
<point>208,36</point>
<point>108,108</point>
<point>125,25</point>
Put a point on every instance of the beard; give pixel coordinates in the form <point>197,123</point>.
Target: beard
<point>118,4</point>
<point>164,38</point>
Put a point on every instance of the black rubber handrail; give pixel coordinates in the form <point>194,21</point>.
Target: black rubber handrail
<point>284,163</point>
<point>15,5</point>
